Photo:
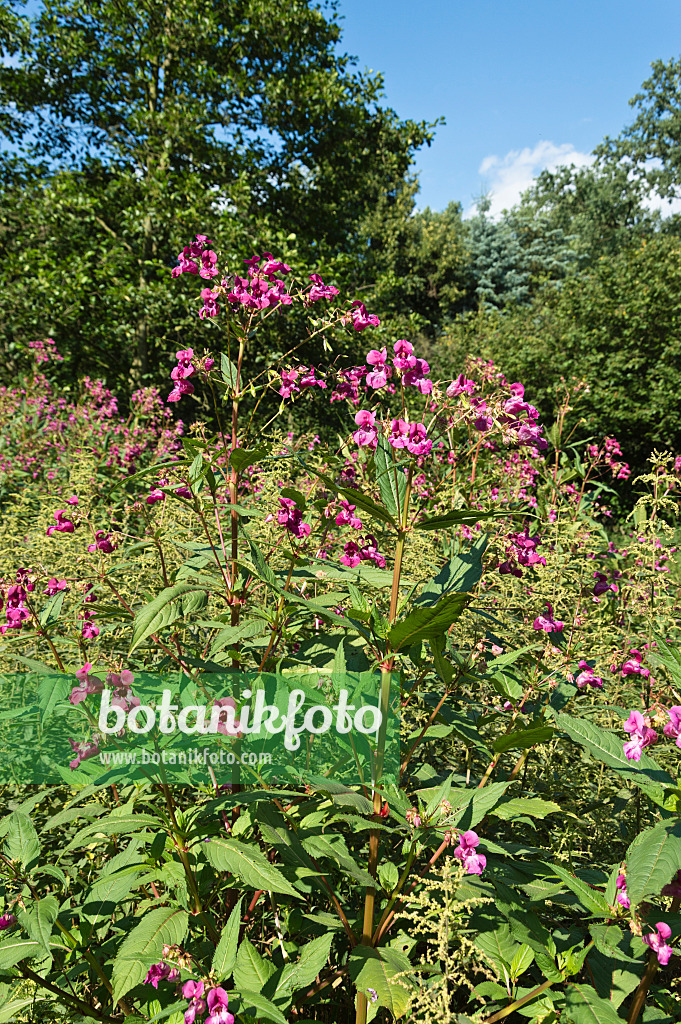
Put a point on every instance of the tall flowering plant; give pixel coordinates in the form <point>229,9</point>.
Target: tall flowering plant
<point>251,901</point>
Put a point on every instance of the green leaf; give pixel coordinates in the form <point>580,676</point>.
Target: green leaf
<point>250,970</point>
<point>459,576</point>
<point>427,623</point>
<point>144,946</point>
<point>522,959</point>
<point>522,739</point>
<point>498,945</point>
<point>312,959</point>
<point>391,479</point>
<point>235,634</point>
<point>652,860</point>
<point>242,458</point>
<point>22,843</point>
<point>584,1006</point>
<point>38,923</point>
<point>51,610</point>
<point>111,826</point>
<point>378,969</point>
<point>14,950</point>
<point>248,863</point>
<point>104,896</point>
<point>230,372</point>
<point>163,610</point>
<point>594,901</point>
<point>460,517</point>
<point>224,957</point>
<point>532,806</point>
<point>264,1009</point>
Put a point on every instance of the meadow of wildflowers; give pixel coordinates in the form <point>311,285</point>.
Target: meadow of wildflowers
<point>449,540</point>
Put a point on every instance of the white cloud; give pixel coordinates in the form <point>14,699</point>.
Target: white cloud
<point>507,177</point>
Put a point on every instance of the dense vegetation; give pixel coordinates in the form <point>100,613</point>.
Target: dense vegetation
<point>398,448</point>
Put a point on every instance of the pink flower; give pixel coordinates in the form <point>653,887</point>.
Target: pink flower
<point>53,587</point>
<point>230,726</point>
<point>547,623</point>
<point>63,525</point>
<point>622,897</point>
<point>360,317</point>
<point>673,727</point>
<point>460,386</point>
<point>404,360</point>
<point>419,443</point>
<point>210,306</point>
<point>6,921</point>
<point>658,942</point>
<point>474,863</point>
<point>156,495</point>
<point>346,517</point>
<point>633,665</point>
<point>288,383</point>
<point>83,750</point>
<point>641,736</point>
<point>217,1006</point>
<point>104,541</point>
<point>319,290</point>
<point>367,433</point>
<point>399,434</point>
<point>416,376</point>
<point>379,377</point>
<point>291,517</point>
<point>587,678</point>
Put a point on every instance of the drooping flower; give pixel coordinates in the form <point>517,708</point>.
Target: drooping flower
<point>360,317</point>
<point>461,386</point>
<point>54,586</point>
<point>474,863</point>
<point>417,377</point>
<point>319,290</point>
<point>291,517</point>
<point>160,972</point>
<point>673,727</point>
<point>632,666</point>
<point>378,377</point>
<point>587,678</point>
<point>547,623</point>
<point>419,443</point>
<point>6,921</point>
<point>104,542</point>
<point>641,736</point>
<point>346,516</point>
<point>367,433</point>
<point>64,525</point>
<point>622,897</point>
<point>218,1003</point>
<point>658,942</point>
<point>210,303</point>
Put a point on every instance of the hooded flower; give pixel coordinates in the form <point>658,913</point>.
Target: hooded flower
<point>658,942</point>
<point>474,863</point>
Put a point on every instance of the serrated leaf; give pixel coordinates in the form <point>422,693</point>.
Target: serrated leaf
<point>459,517</point>
<point>103,897</point>
<point>532,806</point>
<point>522,959</point>
<point>591,899</point>
<point>224,957</point>
<point>523,739</point>
<point>144,946</point>
<point>265,1010</point>
<point>585,1006</point>
<point>160,612</point>
<point>14,950</point>
<point>652,861</point>
<point>312,959</point>
<point>250,970</point>
<point>427,623</point>
<point>51,610</point>
<point>608,747</point>
<point>379,969</point>
<point>242,458</point>
<point>235,634</point>
<point>38,922</point>
<point>113,825</point>
<point>22,843</point>
<point>248,863</point>
<point>391,479</point>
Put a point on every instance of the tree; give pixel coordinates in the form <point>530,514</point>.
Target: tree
<point>160,119</point>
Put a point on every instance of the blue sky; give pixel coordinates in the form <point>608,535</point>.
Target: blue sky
<point>522,85</point>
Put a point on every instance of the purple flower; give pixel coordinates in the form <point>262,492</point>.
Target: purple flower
<point>641,736</point>
<point>360,317</point>
<point>217,1006</point>
<point>587,678</point>
<point>291,517</point>
<point>460,386</point>
<point>319,290</point>
<point>658,942</point>
<point>622,897</point>
<point>547,623</point>
<point>6,921</point>
<point>673,727</point>
<point>474,863</point>
<point>367,433</point>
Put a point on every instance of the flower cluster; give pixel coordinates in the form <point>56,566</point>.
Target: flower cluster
<point>261,288</point>
<point>181,373</point>
<point>198,250</point>
<point>521,551</point>
<point>45,351</point>
<point>291,517</point>
<point>16,611</point>
<point>608,455</point>
<point>354,554</point>
<point>298,379</point>
<point>103,542</point>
